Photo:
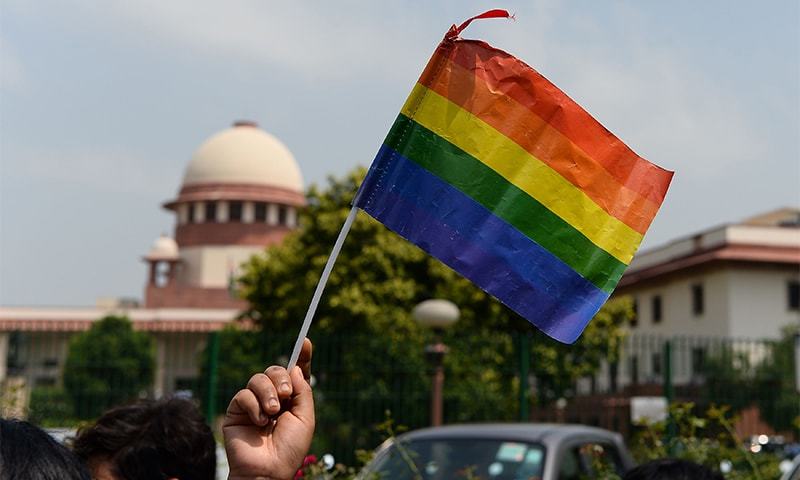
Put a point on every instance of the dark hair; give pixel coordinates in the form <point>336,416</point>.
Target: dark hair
<point>672,469</point>
<point>151,440</point>
<point>28,452</point>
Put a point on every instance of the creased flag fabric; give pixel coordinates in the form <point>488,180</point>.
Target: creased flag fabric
<point>500,175</point>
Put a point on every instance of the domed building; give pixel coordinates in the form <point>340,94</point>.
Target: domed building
<point>240,192</point>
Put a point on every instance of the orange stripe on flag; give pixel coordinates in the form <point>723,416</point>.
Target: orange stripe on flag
<point>487,101</point>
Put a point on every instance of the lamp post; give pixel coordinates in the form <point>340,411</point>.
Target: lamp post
<point>437,315</point>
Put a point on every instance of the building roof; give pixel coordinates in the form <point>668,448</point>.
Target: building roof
<point>164,248</point>
<point>769,238</point>
<point>244,155</point>
<point>73,319</point>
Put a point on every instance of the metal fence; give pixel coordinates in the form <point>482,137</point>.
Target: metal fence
<point>354,392</point>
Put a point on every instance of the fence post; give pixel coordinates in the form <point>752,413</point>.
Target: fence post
<point>211,379</point>
<point>524,360</point>
<point>669,394</point>
<point>797,361</point>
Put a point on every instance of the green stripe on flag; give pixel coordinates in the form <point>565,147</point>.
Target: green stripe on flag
<point>505,200</point>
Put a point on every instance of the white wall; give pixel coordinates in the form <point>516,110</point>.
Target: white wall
<point>676,300</point>
<point>209,266</point>
<point>759,300</point>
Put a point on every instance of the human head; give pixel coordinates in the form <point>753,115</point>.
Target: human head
<point>28,452</point>
<point>671,469</point>
<point>159,439</point>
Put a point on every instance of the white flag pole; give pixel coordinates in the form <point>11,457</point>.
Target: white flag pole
<point>326,272</point>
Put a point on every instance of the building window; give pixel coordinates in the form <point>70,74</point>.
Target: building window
<point>655,305</point>
<point>211,212</point>
<point>50,362</point>
<point>191,218</point>
<point>656,363</point>
<point>235,211</point>
<point>283,214</point>
<point>698,360</point>
<point>261,212</point>
<point>698,300</point>
<point>44,382</point>
<point>634,369</point>
<point>793,293</point>
<point>635,317</point>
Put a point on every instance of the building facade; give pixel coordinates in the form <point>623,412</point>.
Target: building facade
<point>738,281</point>
<point>241,192</point>
<point>721,295</point>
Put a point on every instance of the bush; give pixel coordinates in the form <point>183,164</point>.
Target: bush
<point>708,439</point>
<point>50,407</point>
<point>108,365</point>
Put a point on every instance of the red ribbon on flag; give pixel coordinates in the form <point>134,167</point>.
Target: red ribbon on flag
<point>496,13</point>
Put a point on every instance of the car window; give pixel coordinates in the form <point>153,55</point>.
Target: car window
<point>570,466</point>
<point>602,459</point>
<point>590,460</point>
<point>451,459</point>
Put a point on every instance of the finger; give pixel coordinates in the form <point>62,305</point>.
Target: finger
<point>264,391</point>
<point>245,403</point>
<point>302,398</point>
<point>280,379</point>
<point>304,361</point>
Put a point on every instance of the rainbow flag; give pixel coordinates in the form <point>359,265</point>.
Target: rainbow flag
<point>500,175</point>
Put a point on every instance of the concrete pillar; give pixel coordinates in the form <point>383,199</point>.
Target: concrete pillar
<point>161,360</point>
<point>272,214</point>
<point>153,280</point>
<point>183,213</point>
<point>200,212</point>
<point>248,212</point>
<point>222,212</point>
<point>3,355</point>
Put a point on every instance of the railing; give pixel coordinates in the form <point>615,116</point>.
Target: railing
<point>354,392</point>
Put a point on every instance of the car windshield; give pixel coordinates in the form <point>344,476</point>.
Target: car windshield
<point>460,458</point>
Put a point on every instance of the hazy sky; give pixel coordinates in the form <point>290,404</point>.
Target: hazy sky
<point>103,104</point>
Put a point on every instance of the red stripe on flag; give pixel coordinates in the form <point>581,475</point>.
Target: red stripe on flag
<point>526,86</point>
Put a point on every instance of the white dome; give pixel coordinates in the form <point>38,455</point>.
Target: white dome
<point>244,154</point>
<point>164,248</point>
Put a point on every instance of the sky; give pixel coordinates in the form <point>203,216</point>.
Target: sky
<point>103,103</point>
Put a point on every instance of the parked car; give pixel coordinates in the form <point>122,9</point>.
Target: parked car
<point>501,452</point>
<point>791,470</point>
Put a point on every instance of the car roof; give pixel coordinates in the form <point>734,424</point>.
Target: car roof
<point>526,432</point>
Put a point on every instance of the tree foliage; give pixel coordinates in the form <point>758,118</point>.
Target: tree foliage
<point>107,365</point>
<point>746,377</point>
<point>240,356</point>
<point>775,376</point>
<point>363,329</point>
<point>705,437</point>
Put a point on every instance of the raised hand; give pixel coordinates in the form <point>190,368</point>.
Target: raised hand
<point>269,424</point>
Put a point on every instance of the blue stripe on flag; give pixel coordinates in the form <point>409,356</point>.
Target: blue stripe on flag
<point>468,238</point>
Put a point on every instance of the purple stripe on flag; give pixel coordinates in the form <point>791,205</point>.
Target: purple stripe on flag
<point>464,235</point>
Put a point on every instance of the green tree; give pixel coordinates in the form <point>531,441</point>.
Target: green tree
<point>107,365</point>
<point>368,350</point>
<point>774,385</point>
<point>741,377</point>
<point>240,356</point>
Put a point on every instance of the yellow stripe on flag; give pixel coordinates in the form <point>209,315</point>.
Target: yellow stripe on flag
<point>519,167</point>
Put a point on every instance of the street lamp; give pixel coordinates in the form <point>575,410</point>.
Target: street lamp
<point>437,315</point>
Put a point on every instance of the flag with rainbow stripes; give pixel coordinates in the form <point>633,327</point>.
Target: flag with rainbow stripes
<point>500,175</point>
